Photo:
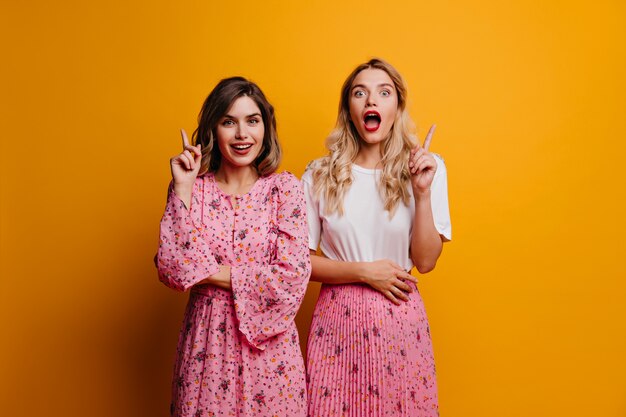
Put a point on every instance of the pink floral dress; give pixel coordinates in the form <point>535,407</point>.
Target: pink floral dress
<point>238,353</point>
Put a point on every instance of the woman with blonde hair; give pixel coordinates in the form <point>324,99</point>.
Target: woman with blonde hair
<point>234,234</point>
<point>377,206</point>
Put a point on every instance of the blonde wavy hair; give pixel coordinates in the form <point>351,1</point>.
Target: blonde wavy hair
<point>332,176</point>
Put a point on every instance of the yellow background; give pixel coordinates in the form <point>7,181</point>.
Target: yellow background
<point>528,303</point>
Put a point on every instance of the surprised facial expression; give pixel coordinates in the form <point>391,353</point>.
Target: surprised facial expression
<point>373,105</point>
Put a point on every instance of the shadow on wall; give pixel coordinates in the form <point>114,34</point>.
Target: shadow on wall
<point>152,350</point>
<point>146,347</point>
<point>145,335</point>
<point>305,314</point>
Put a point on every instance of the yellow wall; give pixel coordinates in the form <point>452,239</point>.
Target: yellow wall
<point>527,304</point>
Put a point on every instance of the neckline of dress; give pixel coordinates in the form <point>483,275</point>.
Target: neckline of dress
<point>211,178</point>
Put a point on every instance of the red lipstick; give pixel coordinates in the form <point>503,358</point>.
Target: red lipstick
<point>371,120</point>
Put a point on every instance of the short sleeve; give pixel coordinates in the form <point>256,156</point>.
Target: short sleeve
<point>439,200</point>
<point>312,209</point>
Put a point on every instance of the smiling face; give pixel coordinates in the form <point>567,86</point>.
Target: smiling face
<point>373,105</point>
<point>240,133</point>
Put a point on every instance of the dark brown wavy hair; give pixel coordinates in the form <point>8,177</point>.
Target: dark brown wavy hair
<point>215,107</point>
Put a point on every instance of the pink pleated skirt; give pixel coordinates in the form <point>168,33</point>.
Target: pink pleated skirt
<point>367,357</point>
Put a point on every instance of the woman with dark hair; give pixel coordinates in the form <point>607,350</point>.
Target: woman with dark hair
<point>234,233</point>
<point>377,206</point>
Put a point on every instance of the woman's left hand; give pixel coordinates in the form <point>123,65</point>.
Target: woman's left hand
<point>422,166</point>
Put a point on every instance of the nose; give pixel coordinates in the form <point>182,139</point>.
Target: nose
<point>370,100</point>
<point>241,132</point>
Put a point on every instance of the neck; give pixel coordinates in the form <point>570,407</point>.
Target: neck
<point>369,156</point>
<point>236,180</point>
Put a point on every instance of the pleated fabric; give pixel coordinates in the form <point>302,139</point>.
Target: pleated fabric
<point>367,357</point>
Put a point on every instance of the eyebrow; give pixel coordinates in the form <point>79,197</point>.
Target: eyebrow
<point>228,116</point>
<point>378,86</point>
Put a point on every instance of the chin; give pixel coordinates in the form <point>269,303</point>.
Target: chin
<point>373,138</point>
<point>239,163</point>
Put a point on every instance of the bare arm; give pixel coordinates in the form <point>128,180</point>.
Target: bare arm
<point>329,271</point>
<point>426,243</point>
<point>382,275</point>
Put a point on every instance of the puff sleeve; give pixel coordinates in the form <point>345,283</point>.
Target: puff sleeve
<point>267,296</point>
<point>184,257</point>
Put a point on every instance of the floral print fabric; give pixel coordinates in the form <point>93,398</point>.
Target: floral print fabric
<point>238,352</point>
<point>367,357</point>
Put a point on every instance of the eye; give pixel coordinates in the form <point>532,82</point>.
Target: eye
<point>385,93</point>
<point>254,121</point>
<point>228,122</point>
<point>359,93</point>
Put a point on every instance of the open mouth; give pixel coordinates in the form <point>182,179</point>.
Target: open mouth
<point>241,148</point>
<point>371,120</point>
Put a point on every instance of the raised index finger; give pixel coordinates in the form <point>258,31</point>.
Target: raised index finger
<point>185,139</point>
<point>429,137</point>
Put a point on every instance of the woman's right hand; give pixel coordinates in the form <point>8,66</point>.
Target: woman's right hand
<point>185,167</point>
<point>388,277</point>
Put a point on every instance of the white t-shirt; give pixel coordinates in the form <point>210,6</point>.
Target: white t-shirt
<point>365,233</point>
